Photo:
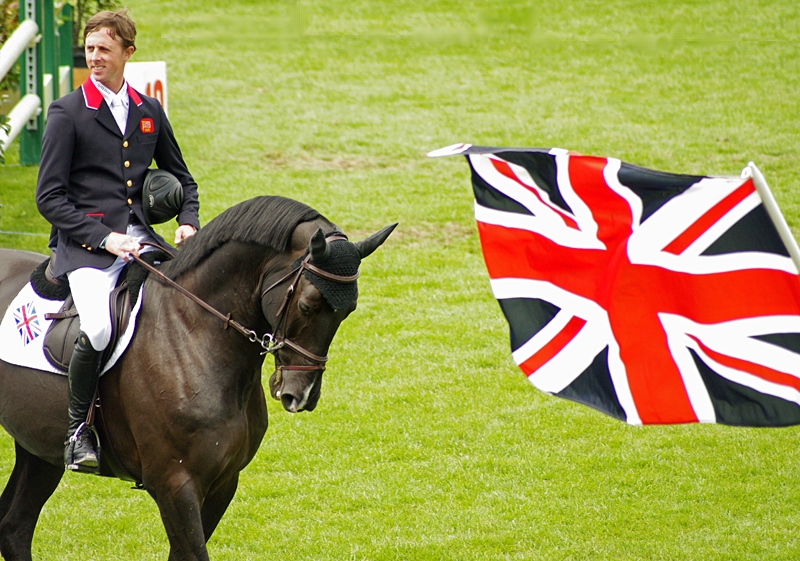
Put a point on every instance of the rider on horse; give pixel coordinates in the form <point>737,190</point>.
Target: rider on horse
<point>97,146</point>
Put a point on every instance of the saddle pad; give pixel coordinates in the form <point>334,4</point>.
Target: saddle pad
<point>23,327</point>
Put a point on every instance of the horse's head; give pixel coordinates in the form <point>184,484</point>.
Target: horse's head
<point>321,292</point>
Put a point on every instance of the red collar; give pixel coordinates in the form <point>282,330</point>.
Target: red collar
<point>94,98</point>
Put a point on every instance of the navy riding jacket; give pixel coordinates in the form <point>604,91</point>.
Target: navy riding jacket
<point>90,176</point>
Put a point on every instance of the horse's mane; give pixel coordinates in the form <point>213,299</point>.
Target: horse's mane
<point>267,221</point>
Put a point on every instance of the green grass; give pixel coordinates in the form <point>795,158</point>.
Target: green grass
<point>428,443</point>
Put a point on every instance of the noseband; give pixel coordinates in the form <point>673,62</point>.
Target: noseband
<point>271,343</point>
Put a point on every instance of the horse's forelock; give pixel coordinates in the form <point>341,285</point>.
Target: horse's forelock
<point>267,221</point>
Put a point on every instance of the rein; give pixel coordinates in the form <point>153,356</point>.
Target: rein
<point>271,343</point>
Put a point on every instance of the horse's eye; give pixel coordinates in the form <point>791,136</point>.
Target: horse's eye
<point>305,309</point>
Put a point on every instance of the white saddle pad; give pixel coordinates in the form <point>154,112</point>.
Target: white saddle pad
<point>24,325</point>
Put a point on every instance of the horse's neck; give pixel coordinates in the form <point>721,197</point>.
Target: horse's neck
<point>228,280</point>
<point>205,357</point>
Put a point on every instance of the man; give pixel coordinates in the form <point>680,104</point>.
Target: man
<point>97,146</point>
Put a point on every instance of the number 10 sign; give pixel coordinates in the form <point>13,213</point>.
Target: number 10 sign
<point>150,78</point>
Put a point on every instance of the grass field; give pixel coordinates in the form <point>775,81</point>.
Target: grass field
<point>428,443</point>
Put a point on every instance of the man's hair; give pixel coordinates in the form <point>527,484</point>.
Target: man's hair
<point>120,26</point>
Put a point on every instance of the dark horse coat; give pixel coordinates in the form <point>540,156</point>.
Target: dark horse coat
<point>90,177</point>
<point>185,405</point>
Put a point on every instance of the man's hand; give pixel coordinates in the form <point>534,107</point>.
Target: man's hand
<point>184,231</point>
<point>121,245</point>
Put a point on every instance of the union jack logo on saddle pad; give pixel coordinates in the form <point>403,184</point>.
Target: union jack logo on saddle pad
<point>27,322</point>
<point>653,297</point>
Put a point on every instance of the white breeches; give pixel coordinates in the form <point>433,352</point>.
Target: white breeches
<point>91,289</point>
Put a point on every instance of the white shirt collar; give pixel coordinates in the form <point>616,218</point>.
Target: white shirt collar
<point>109,96</point>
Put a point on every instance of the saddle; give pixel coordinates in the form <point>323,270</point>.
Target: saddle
<point>60,338</point>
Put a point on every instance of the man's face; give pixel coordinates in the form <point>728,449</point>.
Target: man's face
<point>106,58</point>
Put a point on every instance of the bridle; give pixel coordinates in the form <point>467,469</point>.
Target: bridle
<point>278,340</point>
<point>270,342</point>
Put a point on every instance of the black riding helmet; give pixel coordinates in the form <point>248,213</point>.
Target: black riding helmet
<point>162,196</point>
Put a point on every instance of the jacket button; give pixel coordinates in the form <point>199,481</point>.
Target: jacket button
<point>130,202</point>
<point>127,164</point>
<point>130,183</point>
<point>125,144</point>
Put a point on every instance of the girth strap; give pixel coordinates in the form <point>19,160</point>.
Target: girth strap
<point>64,314</point>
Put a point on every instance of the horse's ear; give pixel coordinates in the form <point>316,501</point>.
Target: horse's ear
<point>318,247</point>
<point>367,246</point>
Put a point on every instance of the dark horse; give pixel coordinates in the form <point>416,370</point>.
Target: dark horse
<point>184,409</point>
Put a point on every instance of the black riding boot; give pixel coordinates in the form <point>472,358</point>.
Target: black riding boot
<point>84,370</point>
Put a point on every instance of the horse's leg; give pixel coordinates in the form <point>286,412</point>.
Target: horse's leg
<point>216,504</point>
<point>179,500</point>
<point>32,482</point>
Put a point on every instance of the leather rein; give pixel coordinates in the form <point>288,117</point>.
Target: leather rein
<point>271,343</point>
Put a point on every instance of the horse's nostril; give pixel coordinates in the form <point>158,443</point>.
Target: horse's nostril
<point>290,402</point>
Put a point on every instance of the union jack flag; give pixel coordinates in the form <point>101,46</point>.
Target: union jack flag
<point>653,297</point>
<point>27,322</point>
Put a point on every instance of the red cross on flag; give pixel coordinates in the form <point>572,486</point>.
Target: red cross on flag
<point>654,297</point>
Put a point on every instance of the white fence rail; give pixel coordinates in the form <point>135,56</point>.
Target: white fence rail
<point>23,36</point>
<point>25,110</point>
<point>30,105</point>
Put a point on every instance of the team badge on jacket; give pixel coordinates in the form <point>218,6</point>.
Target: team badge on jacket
<point>146,125</point>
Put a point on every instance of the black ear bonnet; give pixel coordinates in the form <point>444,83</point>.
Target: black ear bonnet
<point>343,260</point>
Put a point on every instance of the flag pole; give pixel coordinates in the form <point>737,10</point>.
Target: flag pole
<point>774,212</point>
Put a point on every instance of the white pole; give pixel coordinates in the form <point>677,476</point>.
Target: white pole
<point>25,110</point>
<point>774,212</point>
<point>25,34</point>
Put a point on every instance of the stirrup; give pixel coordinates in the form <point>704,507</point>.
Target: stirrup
<point>71,442</point>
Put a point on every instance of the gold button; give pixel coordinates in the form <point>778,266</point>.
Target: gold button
<point>130,183</point>
<point>125,144</point>
<point>127,164</point>
<point>89,248</point>
<point>83,245</point>
<point>130,202</point>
